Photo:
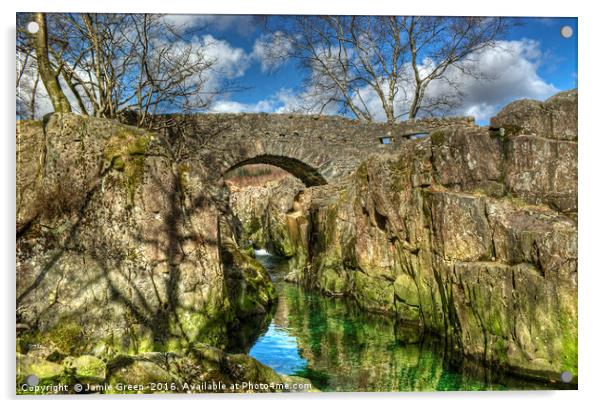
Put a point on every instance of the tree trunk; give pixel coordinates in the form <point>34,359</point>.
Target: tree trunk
<point>60,103</point>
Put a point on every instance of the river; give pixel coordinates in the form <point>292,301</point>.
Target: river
<point>342,348</point>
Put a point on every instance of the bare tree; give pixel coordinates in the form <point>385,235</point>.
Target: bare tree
<point>395,58</point>
<point>47,73</point>
<point>124,65</point>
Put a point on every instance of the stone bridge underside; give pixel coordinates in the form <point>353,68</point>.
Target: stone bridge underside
<point>316,149</point>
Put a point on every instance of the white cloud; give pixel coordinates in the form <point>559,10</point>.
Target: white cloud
<point>185,21</point>
<point>510,70</point>
<point>243,25</point>
<point>283,101</point>
<point>227,61</point>
<point>271,50</point>
<point>512,67</point>
<point>480,111</point>
<point>225,106</point>
<point>289,101</point>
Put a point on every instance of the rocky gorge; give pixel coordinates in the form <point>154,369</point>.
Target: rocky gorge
<point>469,233</point>
<point>134,261</point>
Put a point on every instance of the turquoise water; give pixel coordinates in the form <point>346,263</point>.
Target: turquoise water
<point>278,349</point>
<point>342,348</point>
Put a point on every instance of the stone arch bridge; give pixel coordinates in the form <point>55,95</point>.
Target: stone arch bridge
<point>315,149</point>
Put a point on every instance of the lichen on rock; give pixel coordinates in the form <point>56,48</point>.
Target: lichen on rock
<point>470,235</point>
<point>130,261</point>
<point>125,248</point>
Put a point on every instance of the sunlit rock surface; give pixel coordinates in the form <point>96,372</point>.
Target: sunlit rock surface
<point>127,242</point>
<point>470,233</point>
<point>124,246</point>
<point>262,212</point>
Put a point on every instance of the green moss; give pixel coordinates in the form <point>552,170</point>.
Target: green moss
<point>253,370</point>
<point>67,336</point>
<point>134,172</point>
<point>249,251</point>
<point>125,370</point>
<point>498,321</point>
<point>140,343</point>
<point>500,350</point>
<point>255,291</point>
<point>87,366</point>
<point>281,239</point>
<point>183,176</point>
<point>437,137</point>
<point>331,281</point>
<point>28,365</point>
<point>126,151</point>
<point>191,323</point>
<point>406,290</point>
<point>568,334</point>
<point>48,373</point>
<point>406,312</point>
<point>511,130</point>
<point>118,164</point>
<point>27,340</point>
<point>374,293</point>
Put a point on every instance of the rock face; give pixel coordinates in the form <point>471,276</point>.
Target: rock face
<point>262,212</point>
<point>124,243</point>
<point>470,233</point>
<point>541,150</point>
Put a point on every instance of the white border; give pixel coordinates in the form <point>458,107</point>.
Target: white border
<point>590,157</point>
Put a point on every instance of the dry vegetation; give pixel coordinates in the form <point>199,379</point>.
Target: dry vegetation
<point>254,175</point>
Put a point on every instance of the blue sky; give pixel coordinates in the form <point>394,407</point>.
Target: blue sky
<point>559,65</point>
<point>533,60</point>
<point>542,62</point>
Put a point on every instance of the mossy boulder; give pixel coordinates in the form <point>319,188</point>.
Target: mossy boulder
<point>140,371</point>
<point>114,269</point>
<point>187,372</point>
<point>44,370</point>
<point>249,286</point>
<point>86,366</point>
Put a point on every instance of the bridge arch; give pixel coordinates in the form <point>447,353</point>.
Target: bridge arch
<point>309,175</point>
<point>313,163</point>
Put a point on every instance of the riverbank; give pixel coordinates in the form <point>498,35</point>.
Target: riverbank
<point>340,347</point>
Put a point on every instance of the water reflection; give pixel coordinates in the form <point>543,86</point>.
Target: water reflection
<point>278,349</point>
<point>341,348</point>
